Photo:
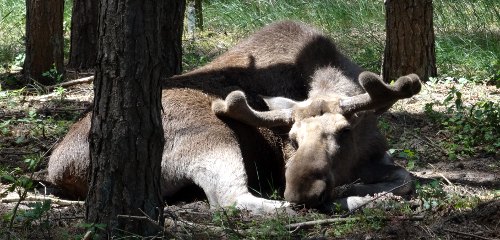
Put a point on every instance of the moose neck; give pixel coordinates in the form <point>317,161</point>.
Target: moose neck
<point>329,80</point>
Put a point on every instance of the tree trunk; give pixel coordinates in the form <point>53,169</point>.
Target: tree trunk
<point>44,39</point>
<point>84,35</point>
<point>409,46</point>
<point>199,14</point>
<point>126,137</point>
<point>172,37</point>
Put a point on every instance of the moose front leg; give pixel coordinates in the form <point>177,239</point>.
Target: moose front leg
<point>382,177</point>
<point>221,174</point>
<point>375,178</point>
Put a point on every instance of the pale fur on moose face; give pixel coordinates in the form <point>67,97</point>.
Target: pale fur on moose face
<point>320,135</point>
<point>331,145</point>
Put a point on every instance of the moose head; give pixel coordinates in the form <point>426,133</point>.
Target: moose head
<point>327,129</point>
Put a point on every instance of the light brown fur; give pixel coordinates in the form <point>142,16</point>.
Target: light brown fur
<point>221,154</point>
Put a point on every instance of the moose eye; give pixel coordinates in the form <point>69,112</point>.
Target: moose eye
<point>343,133</point>
<point>294,143</point>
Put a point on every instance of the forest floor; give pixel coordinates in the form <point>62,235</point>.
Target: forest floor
<point>462,203</point>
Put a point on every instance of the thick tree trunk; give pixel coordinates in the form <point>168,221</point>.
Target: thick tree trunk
<point>126,137</point>
<point>171,33</point>
<point>84,35</point>
<point>409,46</point>
<point>44,39</point>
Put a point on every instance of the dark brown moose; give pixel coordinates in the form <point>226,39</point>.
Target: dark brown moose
<point>317,127</point>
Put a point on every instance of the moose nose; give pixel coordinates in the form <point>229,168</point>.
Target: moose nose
<point>310,194</point>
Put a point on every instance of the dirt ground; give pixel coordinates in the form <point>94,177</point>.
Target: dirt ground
<point>409,128</point>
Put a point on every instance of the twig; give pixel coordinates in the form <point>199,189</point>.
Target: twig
<point>468,234</point>
<point>39,199</point>
<point>441,175</point>
<point>88,235</point>
<point>146,218</point>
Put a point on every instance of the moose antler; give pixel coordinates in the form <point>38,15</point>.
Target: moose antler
<point>236,107</point>
<point>380,96</point>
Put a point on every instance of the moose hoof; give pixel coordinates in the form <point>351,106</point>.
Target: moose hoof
<point>262,206</point>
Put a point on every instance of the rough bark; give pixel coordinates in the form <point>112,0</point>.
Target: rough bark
<point>84,35</point>
<point>126,137</point>
<point>409,46</point>
<point>171,33</point>
<point>44,39</point>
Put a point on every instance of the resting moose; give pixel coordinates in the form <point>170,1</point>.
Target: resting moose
<point>326,104</point>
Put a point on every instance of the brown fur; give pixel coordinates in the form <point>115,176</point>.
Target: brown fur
<point>282,59</point>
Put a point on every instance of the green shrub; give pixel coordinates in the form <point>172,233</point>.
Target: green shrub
<point>472,128</point>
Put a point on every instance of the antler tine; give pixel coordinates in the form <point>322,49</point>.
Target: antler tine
<point>380,96</point>
<point>235,106</point>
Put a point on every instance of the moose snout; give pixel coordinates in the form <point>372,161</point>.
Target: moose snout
<point>309,193</point>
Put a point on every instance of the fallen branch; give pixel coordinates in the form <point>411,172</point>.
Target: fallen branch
<point>296,226</point>
<point>39,87</point>
<point>170,223</point>
<point>57,201</point>
<point>71,82</point>
<point>468,234</point>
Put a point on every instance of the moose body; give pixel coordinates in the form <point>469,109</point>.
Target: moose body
<point>320,122</point>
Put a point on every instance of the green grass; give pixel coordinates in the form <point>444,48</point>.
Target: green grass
<point>467,32</point>
<point>357,26</point>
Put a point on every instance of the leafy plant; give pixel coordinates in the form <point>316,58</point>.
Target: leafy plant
<point>53,74</point>
<point>60,92</point>
<point>431,194</point>
<point>22,184</point>
<point>409,155</point>
<point>472,128</point>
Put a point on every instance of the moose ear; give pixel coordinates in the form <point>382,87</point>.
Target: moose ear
<point>278,103</point>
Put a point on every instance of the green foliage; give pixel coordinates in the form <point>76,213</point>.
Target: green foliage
<point>12,32</point>
<point>60,92</point>
<point>409,155</point>
<point>52,73</point>
<point>234,224</point>
<point>95,228</point>
<point>472,128</point>
<point>433,198</point>
<point>36,212</point>
<point>223,216</point>
<point>12,21</point>
<point>431,194</point>
<point>11,97</point>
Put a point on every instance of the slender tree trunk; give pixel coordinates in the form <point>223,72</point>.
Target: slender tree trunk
<point>194,18</point>
<point>84,35</point>
<point>199,14</point>
<point>135,49</point>
<point>44,39</point>
<point>409,46</point>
